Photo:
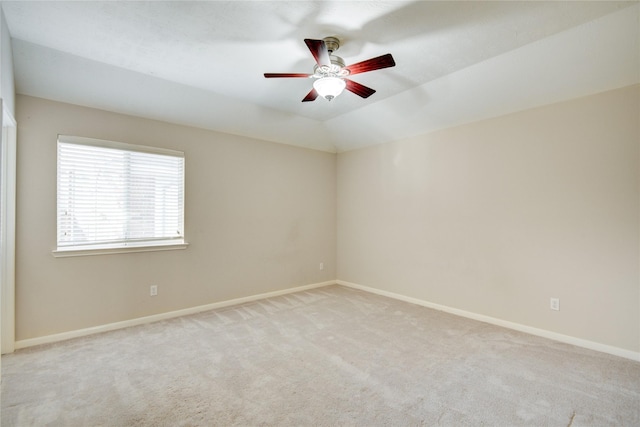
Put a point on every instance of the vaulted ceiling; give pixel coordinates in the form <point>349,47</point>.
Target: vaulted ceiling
<point>202,63</point>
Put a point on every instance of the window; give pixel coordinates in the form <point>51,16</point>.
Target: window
<point>114,196</point>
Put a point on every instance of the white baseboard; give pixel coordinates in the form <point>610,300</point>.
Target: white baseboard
<point>161,316</point>
<point>579,342</point>
<point>604,348</point>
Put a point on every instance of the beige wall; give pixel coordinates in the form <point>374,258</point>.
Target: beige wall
<point>260,217</point>
<point>498,216</point>
<point>493,218</point>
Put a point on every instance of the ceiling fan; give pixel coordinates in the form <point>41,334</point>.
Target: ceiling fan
<point>331,73</point>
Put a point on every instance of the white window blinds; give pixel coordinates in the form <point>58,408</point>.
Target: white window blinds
<point>114,195</point>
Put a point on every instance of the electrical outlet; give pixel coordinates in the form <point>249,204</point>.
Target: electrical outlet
<point>322,266</point>
<point>555,304</point>
<point>153,290</point>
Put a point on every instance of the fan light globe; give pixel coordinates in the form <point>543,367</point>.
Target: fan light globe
<point>329,87</point>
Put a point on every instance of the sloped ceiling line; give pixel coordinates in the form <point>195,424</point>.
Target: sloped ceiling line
<point>201,63</point>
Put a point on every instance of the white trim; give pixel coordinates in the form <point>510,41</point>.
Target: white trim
<point>74,251</point>
<point>82,140</point>
<point>8,243</point>
<point>161,316</point>
<point>579,342</point>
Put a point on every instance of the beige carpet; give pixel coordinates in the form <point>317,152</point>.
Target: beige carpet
<point>330,356</point>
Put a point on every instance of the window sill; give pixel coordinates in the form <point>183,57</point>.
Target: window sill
<point>63,253</point>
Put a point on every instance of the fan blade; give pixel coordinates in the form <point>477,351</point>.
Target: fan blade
<point>311,96</point>
<point>319,51</point>
<point>358,89</point>
<point>272,75</point>
<point>376,63</point>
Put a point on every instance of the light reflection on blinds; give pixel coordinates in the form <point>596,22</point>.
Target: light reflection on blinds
<point>118,197</point>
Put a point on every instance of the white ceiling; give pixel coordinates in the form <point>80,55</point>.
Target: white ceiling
<point>202,63</point>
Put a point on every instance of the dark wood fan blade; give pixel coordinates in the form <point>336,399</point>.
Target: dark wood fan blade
<point>272,75</point>
<point>376,63</point>
<point>319,51</point>
<point>358,89</point>
<point>311,96</point>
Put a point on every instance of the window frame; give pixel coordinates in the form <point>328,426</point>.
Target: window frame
<point>127,246</point>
